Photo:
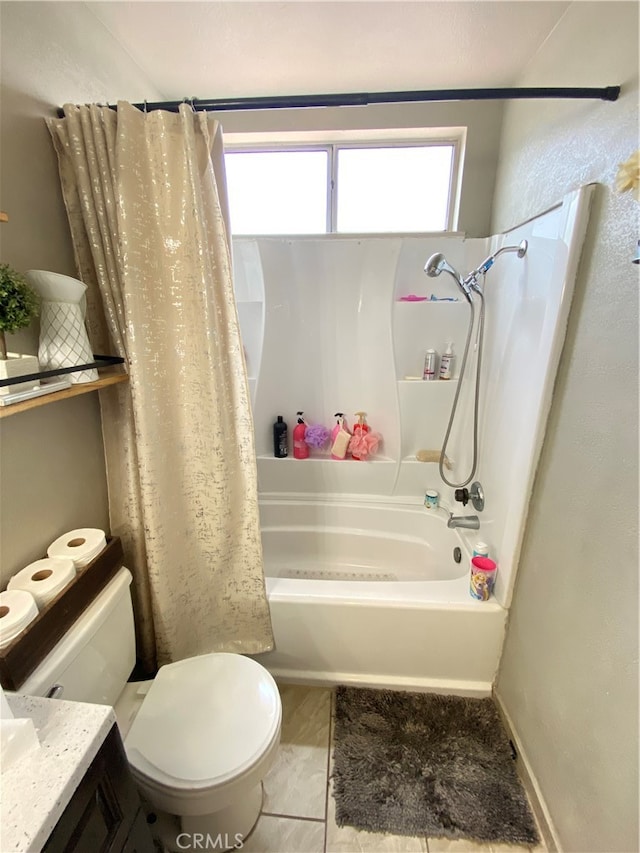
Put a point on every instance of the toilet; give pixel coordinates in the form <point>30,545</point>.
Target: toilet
<point>199,738</point>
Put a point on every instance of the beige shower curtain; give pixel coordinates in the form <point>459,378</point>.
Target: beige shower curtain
<point>145,197</point>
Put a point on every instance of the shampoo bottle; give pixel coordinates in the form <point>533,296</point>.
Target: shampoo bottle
<point>280,450</point>
<point>300,446</point>
<point>446,362</point>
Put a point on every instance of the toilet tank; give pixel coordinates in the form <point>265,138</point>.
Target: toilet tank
<point>94,659</point>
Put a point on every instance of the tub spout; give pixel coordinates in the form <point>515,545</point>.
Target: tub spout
<point>472,522</point>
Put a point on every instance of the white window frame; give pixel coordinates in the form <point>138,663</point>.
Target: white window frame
<point>333,141</point>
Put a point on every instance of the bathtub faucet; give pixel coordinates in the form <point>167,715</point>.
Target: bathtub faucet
<point>472,522</point>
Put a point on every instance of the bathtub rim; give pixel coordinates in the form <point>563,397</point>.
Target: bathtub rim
<point>440,515</point>
<point>426,595</point>
<point>412,502</point>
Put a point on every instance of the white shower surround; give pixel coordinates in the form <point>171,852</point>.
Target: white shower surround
<point>324,332</point>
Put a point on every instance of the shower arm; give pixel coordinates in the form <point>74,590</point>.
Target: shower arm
<point>470,282</point>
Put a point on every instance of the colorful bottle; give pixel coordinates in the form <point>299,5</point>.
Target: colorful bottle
<point>361,427</point>
<point>430,364</point>
<point>280,449</point>
<point>480,549</point>
<point>431,499</point>
<point>340,437</point>
<point>446,362</point>
<point>300,446</point>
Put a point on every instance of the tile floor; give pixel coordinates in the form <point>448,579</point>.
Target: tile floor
<point>298,810</point>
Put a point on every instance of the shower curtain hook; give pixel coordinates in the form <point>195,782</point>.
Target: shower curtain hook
<point>145,106</point>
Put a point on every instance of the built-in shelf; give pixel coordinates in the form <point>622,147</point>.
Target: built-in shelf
<point>428,382</point>
<point>327,458</point>
<point>413,460</point>
<point>431,302</point>
<point>65,394</point>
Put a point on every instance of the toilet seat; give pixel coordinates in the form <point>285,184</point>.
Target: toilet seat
<point>206,722</point>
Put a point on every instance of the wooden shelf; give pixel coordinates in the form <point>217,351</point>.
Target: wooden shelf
<point>55,396</point>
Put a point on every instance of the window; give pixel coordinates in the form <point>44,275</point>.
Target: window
<point>277,192</point>
<point>343,186</point>
<point>393,189</point>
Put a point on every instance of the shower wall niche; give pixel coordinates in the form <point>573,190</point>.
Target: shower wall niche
<point>325,331</point>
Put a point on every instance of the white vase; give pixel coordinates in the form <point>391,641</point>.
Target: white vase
<point>17,364</point>
<point>63,337</point>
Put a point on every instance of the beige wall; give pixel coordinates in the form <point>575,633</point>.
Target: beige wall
<point>52,468</point>
<point>569,672</point>
<point>52,473</point>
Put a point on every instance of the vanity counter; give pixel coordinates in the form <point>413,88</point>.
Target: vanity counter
<point>37,789</point>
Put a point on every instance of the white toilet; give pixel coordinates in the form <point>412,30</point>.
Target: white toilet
<point>200,738</point>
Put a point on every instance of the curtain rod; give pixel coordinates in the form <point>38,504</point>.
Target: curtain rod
<point>362,99</point>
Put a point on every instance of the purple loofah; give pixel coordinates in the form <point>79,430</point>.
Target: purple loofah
<point>316,436</point>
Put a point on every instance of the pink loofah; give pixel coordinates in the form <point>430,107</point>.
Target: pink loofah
<point>316,436</point>
<point>364,444</point>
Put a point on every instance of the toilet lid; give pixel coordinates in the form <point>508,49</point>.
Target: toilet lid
<point>204,719</point>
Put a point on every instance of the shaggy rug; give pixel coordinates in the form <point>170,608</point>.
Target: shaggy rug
<point>422,764</point>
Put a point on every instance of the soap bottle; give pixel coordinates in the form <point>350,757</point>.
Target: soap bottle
<point>280,450</point>
<point>300,446</point>
<point>361,427</point>
<point>446,362</point>
<point>339,448</point>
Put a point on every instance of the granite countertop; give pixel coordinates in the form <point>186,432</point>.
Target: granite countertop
<point>37,789</point>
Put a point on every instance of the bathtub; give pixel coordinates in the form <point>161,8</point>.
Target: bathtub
<point>370,594</point>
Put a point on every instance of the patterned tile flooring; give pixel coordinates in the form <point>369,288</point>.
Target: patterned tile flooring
<point>298,809</point>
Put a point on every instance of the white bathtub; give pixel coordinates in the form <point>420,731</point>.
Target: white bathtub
<point>369,593</point>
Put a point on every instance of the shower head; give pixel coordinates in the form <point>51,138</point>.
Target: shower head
<point>433,267</point>
<point>438,263</point>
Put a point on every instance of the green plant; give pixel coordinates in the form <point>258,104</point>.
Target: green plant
<point>18,304</point>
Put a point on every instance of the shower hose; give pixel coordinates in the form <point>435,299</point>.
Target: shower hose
<point>454,407</point>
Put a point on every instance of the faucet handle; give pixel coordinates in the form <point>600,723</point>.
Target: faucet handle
<point>475,494</point>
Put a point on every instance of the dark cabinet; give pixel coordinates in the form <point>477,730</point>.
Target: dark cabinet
<point>104,814</point>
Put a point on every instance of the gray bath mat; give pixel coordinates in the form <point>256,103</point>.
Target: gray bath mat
<point>427,765</point>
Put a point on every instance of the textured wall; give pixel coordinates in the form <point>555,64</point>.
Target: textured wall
<point>51,458</point>
<point>569,674</point>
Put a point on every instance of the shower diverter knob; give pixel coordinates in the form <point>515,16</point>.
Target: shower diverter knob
<point>462,496</point>
<point>475,493</point>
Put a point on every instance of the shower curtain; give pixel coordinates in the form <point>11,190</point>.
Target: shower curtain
<point>146,201</point>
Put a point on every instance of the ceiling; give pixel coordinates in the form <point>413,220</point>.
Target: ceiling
<point>235,49</point>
